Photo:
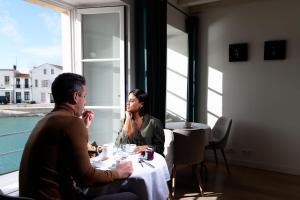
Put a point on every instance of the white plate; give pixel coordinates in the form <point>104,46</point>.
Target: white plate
<point>102,164</point>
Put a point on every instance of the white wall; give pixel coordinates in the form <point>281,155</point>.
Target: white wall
<point>38,74</point>
<point>11,74</point>
<point>261,96</point>
<point>7,88</point>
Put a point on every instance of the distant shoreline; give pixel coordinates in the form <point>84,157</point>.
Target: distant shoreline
<point>25,110</point>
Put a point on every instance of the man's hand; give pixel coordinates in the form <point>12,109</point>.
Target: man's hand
<point>87,117</point>
<point>124,169</point>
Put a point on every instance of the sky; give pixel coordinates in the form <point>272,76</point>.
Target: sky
<point>30,35</point>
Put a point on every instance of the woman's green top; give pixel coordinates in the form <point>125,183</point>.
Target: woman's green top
<point>151,133</point>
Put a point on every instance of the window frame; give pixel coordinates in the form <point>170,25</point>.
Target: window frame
<point>6,80</point>
<point>26,96</point>
<point>78,68</point>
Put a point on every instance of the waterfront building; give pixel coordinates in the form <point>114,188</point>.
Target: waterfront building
<point>7,83</point>
<point>22,88</point>
<point>35,87</point>
<point>42,78</point>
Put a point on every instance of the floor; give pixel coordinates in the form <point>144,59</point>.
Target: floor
<point>243,184</point>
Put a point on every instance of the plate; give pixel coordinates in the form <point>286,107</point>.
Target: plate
<point>102,162</point>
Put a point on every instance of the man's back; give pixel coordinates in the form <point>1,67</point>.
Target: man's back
<point>46,169</point>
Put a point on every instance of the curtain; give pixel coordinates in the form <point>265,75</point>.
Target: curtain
<point>192,30</point>
<point>151,53</point>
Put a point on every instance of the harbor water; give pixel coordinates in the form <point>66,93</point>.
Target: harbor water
<point>14,132</point>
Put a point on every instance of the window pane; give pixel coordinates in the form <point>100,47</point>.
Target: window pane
<point>103,83</point>
<point>177,64</point>
<point>105,126</point>
<point>101,36</point>
<point>35,52</point>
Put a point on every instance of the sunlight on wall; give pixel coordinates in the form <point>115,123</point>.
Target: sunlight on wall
<point>176,83</point>
<point>214,96</point>
<point>177,62</point>
<point>177,73</point>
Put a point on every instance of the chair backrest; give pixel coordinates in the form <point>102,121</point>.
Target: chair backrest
<point>189,146</point>
<point>221,130</point>
<point>168,151</point>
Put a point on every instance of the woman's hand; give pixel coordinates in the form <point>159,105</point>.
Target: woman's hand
<point>127,124</point>
<point>87,117</point>
<point>140,149</point>
<point>128,115</point>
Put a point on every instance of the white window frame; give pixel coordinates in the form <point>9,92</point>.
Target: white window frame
<point>78,68</point>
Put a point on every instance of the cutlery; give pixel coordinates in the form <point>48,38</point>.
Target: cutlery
<point>141,163</point>
<point>150,165</point>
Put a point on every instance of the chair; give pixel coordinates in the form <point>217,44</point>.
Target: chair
<point>189,147</point>
<point>220,134</point>
<point>169,147</point>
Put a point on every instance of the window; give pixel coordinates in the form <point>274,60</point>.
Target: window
<point>7,94</point>
<point>31,48</point>
<point>45,83</point>
<point>26,96</point>
<point>52,71</point>
<point>26,83</point>
<point>45,71</point>
<point>18,83</point>
<point>18,97</point>
<point>102,40</point>
<point>177,69</point>
<point>6,80</point>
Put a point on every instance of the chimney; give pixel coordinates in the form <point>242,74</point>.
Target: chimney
<point>15,67</point>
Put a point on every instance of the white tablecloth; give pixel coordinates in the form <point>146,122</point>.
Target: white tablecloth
<point>155,179</point>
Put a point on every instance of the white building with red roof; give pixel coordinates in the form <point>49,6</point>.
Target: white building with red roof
<point>22,89</point>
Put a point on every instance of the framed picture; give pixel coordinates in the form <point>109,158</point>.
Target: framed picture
<point>238,52</point>
<point>275,50</point>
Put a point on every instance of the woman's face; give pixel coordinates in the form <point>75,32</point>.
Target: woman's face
<point>133,104</point>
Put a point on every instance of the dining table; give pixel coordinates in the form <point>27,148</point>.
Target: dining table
<point>188,125</point>
<point>149,177</point>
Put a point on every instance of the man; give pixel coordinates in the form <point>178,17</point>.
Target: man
<point>55,160</point>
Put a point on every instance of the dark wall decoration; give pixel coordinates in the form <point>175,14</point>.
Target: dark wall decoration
<point>238,52</point>
<point>275,50</point>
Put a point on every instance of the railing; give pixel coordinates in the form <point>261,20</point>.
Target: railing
<point>14,133</point>
<point>10,134</point>
<point>11,155</point>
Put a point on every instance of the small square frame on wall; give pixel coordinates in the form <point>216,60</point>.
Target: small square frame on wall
<point>238,52</point>
<point>275,50</point>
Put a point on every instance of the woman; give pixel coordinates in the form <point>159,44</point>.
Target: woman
<point>139,127</point>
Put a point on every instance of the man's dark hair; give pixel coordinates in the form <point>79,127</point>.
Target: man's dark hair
<point>64,86</point>
<point>142,97</point>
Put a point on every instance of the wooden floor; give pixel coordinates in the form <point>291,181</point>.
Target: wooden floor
<point>243,184</point>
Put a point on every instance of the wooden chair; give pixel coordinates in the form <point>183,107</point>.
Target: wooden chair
<point>189,147</point>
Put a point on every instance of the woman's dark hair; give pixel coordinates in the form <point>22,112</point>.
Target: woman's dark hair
<point>64,86</point>
<point>142,97</point>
